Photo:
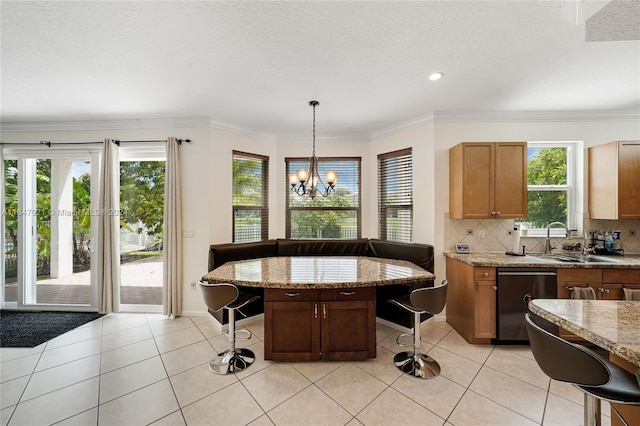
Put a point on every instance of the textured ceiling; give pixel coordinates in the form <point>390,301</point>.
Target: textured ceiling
<point>256,65</point>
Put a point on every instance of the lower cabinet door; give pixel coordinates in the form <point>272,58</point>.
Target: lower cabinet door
<point>348,330</point>
<point>292,331</point>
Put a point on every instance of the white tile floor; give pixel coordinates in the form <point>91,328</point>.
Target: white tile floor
<point>140,369</point>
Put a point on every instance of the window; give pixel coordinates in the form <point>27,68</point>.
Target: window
<point>551,186</point>
<point>336,216</point>
<point>395,197</point>
<point>250,197</point>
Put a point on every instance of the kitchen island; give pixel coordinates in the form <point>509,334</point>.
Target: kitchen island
<point>319,307</point>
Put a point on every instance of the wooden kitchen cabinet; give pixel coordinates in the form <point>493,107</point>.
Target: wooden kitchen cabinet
<point>327,324</point>
<point>471,301</point>
<point>291,325</point>
<point>614,180</point>
<point>348,323</point>
<point>488,180</point>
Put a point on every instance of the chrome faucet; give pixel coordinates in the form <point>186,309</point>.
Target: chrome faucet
<point>547,246</point>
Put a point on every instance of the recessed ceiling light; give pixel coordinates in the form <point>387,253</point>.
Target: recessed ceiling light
<point>436,76</point>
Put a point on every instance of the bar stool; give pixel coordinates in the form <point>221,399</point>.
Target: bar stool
<point>219,296</point>
<point>430,300</point>
<point>594,375</point>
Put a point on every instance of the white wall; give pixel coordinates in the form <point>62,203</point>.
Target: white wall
<point>207,174</point>
<point>425,181</point>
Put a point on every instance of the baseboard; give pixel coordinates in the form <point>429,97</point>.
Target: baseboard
<point>241,322</point>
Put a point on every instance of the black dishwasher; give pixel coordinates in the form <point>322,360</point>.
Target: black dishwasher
<point>516,287</point>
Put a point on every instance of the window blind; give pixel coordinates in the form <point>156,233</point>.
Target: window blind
<point>395,195</point>
<point>335,216</point>
<point>250,197</point>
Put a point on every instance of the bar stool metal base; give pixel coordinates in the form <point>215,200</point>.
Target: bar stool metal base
<point>419,365</point>
<point>229,362</point>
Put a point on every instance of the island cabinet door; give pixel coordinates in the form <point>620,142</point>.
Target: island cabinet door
<point>348,324</point>
<point>292,325</point>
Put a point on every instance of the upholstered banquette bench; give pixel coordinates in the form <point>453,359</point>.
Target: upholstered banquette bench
<point>419,254</point>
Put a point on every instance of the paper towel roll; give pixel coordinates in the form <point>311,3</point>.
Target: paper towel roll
<point>516,240</point>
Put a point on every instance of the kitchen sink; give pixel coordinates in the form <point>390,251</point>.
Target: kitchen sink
<point>585,258</point>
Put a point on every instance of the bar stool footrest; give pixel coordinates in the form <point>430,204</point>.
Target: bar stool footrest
<point>242,330</point>
<point>405,345</point>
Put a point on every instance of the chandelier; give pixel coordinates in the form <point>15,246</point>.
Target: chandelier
<point>309,182</point>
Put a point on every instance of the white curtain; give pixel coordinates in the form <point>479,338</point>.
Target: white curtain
<point>172,244</point>
<point>109,230</point>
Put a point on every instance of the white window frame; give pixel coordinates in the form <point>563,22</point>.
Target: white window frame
<point>573,188</point>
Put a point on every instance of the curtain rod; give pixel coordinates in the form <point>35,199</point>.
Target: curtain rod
<point>116,141</point>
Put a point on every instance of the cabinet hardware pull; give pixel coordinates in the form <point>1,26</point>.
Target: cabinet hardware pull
<point>493,213</point>
<point>324,310</point>
<point>347,293</point>
<point>486,274</point>
<point>292,294</point>
<point>315,310</point>
<point>495,287</point>
<point>497,213</point>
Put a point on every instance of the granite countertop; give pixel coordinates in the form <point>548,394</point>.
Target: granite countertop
<point>317,272</point>
<point>493,259</point>
<point>610,324</point>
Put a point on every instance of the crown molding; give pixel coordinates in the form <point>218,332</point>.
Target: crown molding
<point>152,123</point>
<point>534,116</point>
<point>241,130</point>
<point>436,117</point>
<point>405,125</point>
<point>331,138</point>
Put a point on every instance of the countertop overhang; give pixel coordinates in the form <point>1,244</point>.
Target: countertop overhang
<point>498,260</point>
<point>318,272</point>
<point>610,324</point>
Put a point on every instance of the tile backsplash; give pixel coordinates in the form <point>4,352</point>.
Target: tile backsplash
<point>492,234</point>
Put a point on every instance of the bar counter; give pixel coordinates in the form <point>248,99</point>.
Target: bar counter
<point>317,272</point>
<point>610,324</point>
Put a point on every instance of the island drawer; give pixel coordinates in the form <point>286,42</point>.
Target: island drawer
<point>356,293</point>
<point>290,295</point>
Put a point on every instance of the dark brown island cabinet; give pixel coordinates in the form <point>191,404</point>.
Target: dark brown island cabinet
<point>320,324</point>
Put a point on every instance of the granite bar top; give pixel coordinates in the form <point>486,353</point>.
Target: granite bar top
<point>609,324</point>
<point>492,259</point>
<point>317,272</point>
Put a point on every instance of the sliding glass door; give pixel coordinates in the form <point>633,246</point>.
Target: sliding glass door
<point>142,171</point>
<point>50,227</point>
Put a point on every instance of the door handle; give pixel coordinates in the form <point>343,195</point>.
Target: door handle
<point>315,310</point>
<point>324,310</point>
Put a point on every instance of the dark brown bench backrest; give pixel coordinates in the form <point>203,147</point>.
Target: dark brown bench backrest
<point>418,254</point>
<point>219,254</point>
<point>358,247</point>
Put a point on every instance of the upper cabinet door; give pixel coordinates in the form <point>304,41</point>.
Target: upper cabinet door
<point>629,180</point>
<point>511,180</point>
<point>488,180</point>
<point>614,180</point>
